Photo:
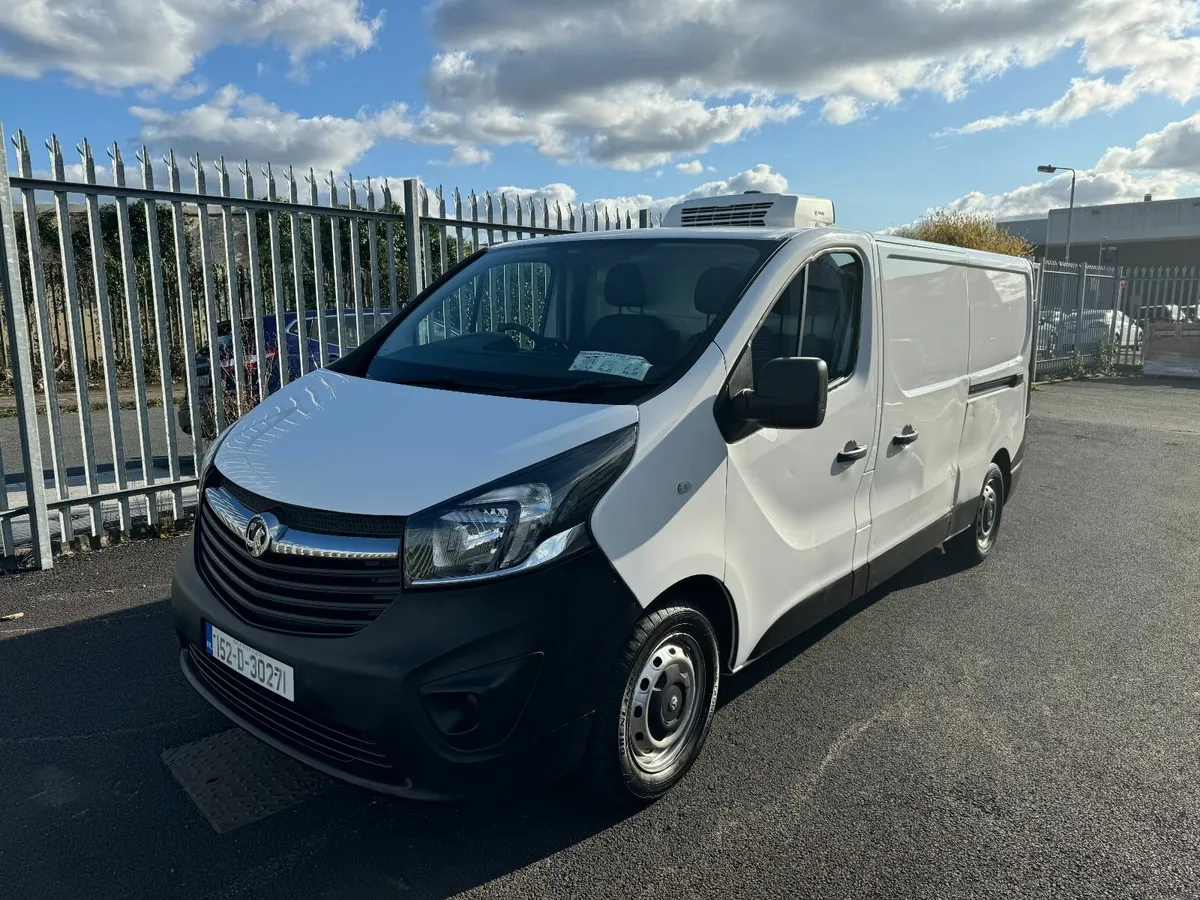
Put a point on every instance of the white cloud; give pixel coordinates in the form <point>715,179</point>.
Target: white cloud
<point>695,167</point>
<point>635,84</point>
<point>841,110</point>
<point>113,44</point>
<point>1163,163</point>
<point>1154,52</point>
<point>234,122</point>
<point>469,155</point>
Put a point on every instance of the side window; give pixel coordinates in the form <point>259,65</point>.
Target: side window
<point>817,315</point>
<point>832,312</point>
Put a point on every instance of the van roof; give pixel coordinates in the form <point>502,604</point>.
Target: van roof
<point>775,234</point>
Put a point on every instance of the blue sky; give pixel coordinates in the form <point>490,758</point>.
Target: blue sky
<point>890,108</point>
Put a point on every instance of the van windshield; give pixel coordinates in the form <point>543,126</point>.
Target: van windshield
<point>593,320</point>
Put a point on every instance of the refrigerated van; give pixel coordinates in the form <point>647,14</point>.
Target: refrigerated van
<point>527,527</point>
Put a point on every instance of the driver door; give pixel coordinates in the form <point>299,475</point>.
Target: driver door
<point>795,506</point>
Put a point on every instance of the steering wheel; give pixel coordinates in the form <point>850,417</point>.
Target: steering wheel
<point>538,339</point>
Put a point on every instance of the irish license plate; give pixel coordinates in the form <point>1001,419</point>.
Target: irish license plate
<point>249,663</point>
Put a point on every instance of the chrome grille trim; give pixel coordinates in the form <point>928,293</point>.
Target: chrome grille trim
<point>290,542</point>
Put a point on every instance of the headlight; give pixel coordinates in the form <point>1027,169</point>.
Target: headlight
<point>519,522</point>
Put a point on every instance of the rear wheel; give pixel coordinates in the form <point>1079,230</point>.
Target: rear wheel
<point>974,545</point>
<point>657,707</point>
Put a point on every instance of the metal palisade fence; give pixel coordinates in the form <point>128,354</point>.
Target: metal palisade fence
<point>139,322</point>
<point>1096,319</point>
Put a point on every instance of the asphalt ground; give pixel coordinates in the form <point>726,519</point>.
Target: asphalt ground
<point>1025,729</point>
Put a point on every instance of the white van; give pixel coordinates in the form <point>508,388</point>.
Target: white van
<point>526,527</point>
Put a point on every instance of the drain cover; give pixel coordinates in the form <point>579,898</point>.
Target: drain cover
<point>235,779</point>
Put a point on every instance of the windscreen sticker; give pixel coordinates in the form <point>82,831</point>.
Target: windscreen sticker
<point>611,364</point>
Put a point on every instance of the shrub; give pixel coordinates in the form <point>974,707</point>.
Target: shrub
<point>959,229</point>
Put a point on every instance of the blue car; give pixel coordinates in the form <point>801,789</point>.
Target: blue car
<point>296,344</point>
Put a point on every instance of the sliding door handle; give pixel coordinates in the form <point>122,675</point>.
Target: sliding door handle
<point>906,437</point>
<point>852,452</point>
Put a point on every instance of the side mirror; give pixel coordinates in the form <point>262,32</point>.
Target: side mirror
<point>791,393</point>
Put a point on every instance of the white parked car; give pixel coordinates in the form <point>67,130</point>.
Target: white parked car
<point>635,462</point>
<point>1097,327</point>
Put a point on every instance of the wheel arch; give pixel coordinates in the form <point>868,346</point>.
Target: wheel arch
<point>1004,460</point>
<point>711,597</point>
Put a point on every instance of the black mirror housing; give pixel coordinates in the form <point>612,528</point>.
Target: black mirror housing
<point>791,394</point>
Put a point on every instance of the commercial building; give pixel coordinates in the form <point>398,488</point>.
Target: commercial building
<point>1149,233</point>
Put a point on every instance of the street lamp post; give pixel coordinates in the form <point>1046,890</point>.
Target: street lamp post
<point>1071,208</point>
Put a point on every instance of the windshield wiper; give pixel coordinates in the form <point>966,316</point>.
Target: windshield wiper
<point>454,384</point>
<point>586,387</point>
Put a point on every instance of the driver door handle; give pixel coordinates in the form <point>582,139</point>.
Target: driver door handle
<point>906,437</point>
<point>852,452</point>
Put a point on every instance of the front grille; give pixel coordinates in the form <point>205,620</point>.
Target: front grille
<point>748,214</point>
<point>318,520</point>
<point>348,749</point>
<point>306,595</point>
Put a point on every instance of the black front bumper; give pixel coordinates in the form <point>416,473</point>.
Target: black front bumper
<point>448,693</point>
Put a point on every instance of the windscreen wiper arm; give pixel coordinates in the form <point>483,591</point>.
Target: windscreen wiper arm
<point>454,384</point>
<point>589,386</point>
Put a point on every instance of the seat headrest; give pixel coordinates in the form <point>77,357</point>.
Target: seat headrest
<point>715,289</point>
<point>625,287</point>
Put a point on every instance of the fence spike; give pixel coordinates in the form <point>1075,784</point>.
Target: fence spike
<point>222,177</point>
<point>143,157</point>
<point>293,190</point>
<point>458,213</point>
<point>332,182</point>
<point>172,172</point>
<point>56,158</point>
<point>247,179</point>
<point>89,162</point>
<point>387,195</point>
<point>198,169</point>
<point>24,164</point>
<point>118,164</point>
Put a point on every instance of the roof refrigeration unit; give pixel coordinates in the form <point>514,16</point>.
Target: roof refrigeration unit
<point>752,209</point>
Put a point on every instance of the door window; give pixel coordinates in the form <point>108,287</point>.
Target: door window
<point>818,314</point>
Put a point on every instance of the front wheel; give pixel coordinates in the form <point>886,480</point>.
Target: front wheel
<point>656,708</point>
<point>974,545</point>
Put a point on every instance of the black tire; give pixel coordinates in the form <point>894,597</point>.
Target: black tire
<point>975,544</point>
<point>635,712</point>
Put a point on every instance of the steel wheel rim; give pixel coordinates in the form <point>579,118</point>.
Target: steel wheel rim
<point>665,703</point>
<point>988,516</point>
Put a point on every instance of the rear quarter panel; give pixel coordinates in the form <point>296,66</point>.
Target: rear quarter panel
<point>1000,292</point>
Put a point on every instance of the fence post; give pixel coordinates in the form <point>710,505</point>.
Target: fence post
<point>22,368</point>
<point>1083,277</point>
<point>412,236</point>
<point>644,220</point>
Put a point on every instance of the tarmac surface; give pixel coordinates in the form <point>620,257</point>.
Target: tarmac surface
<point>1025,729</point>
